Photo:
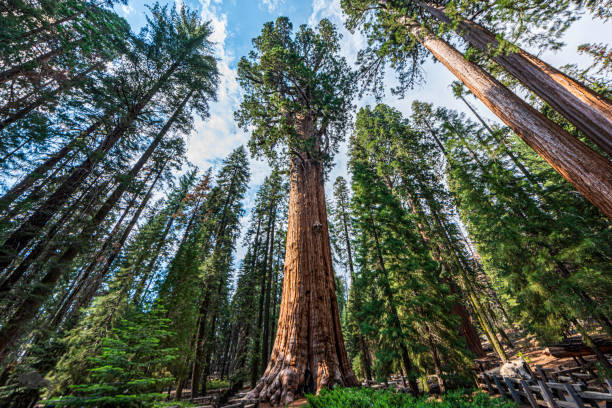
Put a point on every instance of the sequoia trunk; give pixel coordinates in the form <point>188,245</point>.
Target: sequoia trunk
<point>588,111</point>
<point>587,170</point>
<point>308,352</point>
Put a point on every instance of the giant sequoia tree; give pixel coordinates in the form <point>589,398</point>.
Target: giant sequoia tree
<point>297,101</point>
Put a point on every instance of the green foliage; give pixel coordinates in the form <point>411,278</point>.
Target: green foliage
<point>297,91</point>
<point>129,369</point>
<point>368,398</point>
<point>216,384</point>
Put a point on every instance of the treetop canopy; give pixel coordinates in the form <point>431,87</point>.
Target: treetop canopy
<point>297,91</point>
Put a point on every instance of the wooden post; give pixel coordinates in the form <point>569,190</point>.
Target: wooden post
<point>529,394</point>
<point>547,395</point>
<point>515,395</point>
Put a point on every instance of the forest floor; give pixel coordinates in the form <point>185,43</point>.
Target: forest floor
<point>527,347</point>
<point>295,404</point>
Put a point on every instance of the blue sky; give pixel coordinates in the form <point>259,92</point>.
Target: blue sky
<point>236,22</point>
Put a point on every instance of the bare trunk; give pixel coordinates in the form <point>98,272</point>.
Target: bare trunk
<point>308,352</point>
<point>47,96</point>
<point>589,112</point>
<point>44,167</point>
<point>587,170</point>
<point>265,350</point>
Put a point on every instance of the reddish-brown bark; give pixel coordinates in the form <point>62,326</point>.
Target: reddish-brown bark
<point>308,352</point>
<point>587,170</point>
<point>589,112</point>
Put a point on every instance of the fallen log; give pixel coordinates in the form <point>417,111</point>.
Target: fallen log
<point>575,347</point>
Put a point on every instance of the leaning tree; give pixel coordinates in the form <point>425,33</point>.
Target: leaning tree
<point>297,102</point>
<point>399,34</point>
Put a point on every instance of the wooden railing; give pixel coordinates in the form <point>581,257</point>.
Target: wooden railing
<point>539,392</point>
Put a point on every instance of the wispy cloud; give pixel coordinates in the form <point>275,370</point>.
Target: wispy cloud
<point>127,9</point>
<point>271,5</point>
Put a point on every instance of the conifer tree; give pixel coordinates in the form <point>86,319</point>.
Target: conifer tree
<point>400,275</point>
<point>225,208</point>
<point>297,99</point>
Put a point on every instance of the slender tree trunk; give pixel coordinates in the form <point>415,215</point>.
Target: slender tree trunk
<point>265,351</point>
<point>587,170</point>
<point>363,346</point>
<point>464,277</point>
<point>43,245</point>
<point>27,66</point>
<point>589,112</point>
<point>161,242</point>
<point>64,86</point>
<point>255,370</point>
<point>94,282</point>
<point>308,352</point>
<point>435,357</point>
<point>466,328</point>
<point>507,149</point>
<point>499,327</point>
<point>201,348</point>
<point>85,274</point>
<point>16,325</point>
<point>31,227</point>
<point>44,167</point>
<point>53,25</point>
<point>196,372</point>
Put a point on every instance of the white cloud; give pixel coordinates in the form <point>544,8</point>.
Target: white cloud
<point>127,8</point>
<point>272,5</point>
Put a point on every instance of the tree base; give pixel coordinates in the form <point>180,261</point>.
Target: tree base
<point>284,385</point>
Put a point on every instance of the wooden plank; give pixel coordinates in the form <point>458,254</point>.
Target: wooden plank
<point>500,387</point>
<point>541,373</point>
<point>515,396</point>
<point>485,376</point>
<point>529,394</point>
<point>561,386</point>
<point>572,396</point>
<point>597,396</point>
<point>575,347</point>
<point>566,404</point>
<point>548,397</point>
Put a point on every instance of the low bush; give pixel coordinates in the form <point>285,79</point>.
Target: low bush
<point>368,398</point>
<point>216,384</point>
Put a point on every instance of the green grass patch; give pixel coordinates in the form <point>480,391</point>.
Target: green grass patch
<point>216,384</point>
<point>368,398</point>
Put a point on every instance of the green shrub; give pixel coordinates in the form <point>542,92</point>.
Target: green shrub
<point>368,398</point>
<point>215,384</point>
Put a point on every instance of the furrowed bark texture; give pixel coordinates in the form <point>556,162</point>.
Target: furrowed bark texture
<point>588,171</point>
<point>589,112</point>
<point>308,352</point>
